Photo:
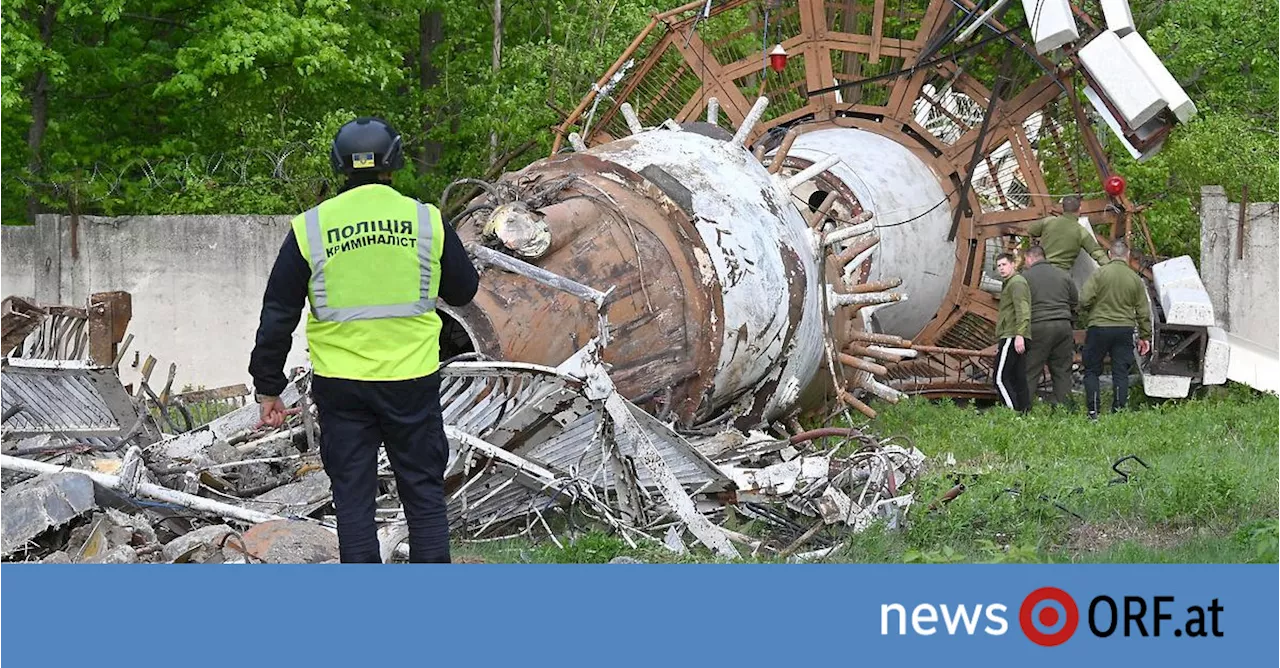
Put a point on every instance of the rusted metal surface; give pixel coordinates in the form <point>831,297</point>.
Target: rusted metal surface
<point>109,314</point>
<point>20,318</point>
<point>1009,187</point>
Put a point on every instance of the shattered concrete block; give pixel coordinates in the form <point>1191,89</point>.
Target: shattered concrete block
<point>1118,16</point>
<point>1187,306</point>
<point>58,557</point>
<point>299,498</point>
<point>1217,357</point>
<point>1052,23</point>
<point>1172,93</point>
<point>1121,80</point>
<point>291,542</point>
<point>197,546</point>
<point>1178,272</point>
<point>45,502</point>
<point>626,560</point>
<point>1166,387</point>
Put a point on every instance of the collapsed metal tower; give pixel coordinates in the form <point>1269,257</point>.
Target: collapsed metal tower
<point>753,241</point>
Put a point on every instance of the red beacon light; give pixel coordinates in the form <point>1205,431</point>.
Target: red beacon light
<point>778,58</point>
<point>1114,185</point>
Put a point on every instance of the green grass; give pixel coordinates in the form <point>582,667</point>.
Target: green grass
<point>1208,496</point>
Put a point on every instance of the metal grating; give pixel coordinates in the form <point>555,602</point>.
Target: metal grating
<point>971,332</point>
<point>70,398</point>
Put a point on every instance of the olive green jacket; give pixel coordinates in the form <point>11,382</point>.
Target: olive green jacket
<point>1015,309</point>
<point>1115,296</point>
<point>1062,238</point>
<point>1053,293</point>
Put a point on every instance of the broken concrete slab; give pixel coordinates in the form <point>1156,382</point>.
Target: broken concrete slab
<point>291,542</point>
<point>1052,23</point>
<point>1217,357</point>
<point>44,502</point>
<point>1182,293</point>
<point>1120,78</point>
<point>1187,306</point>
<point>299,498</point>
<point>1178,272</point>
<point>1118,16</point>
<point>198,546</point>
<point>58,557</point>
<point>1174,96</point>
<point>1166,387</point>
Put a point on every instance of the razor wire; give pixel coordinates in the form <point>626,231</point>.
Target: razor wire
<point>299,167</point>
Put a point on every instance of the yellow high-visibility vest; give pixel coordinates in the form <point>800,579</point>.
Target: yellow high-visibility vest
<point>375,275</point>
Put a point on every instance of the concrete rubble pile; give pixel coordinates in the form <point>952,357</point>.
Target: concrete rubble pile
<point>535,451</point>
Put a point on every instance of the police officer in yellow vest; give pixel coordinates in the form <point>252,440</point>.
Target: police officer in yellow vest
<point>372,264</point>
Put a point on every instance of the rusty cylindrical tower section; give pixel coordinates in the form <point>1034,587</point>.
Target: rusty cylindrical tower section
<point>715,305</point>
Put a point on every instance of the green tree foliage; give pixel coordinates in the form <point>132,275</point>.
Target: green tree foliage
<point>179,106</point>
<point>187,106</point>
<point>1224,53</point>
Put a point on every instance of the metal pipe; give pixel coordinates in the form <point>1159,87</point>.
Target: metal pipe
<point>857,405</point>
<point>781,154</point>
<point>877,286</point>
<point>633,121</point>
<point>973,27</point>
<point>845,233</point>
<point>803,176</point>
<point>749,123</point>
<point>515,266</point>
<point>862,365</point>
<point>146,489</point>
<point>884,339</point>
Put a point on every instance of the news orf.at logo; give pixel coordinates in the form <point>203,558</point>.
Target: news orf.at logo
<point>1049,617</point>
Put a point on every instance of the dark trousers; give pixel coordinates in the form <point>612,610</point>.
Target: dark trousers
<point>1053,342</point>
<point>1011,376</point>
<point>355,418</point>
<point>1100,342</point>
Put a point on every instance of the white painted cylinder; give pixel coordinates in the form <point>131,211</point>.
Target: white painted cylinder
<point>912,218</point>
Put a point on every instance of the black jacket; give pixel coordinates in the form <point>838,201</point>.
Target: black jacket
<point>286,296</point>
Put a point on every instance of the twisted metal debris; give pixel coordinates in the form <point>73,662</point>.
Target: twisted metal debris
<point>534,451</point>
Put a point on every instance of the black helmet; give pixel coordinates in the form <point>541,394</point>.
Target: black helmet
<point>367,144</point>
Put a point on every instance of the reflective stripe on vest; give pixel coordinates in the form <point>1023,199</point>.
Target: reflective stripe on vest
<point>320,301</point>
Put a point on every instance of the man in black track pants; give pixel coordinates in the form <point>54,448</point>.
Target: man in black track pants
<point>1013,330</point>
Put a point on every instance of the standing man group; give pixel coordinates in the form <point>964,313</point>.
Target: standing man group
<point>372,263</point>
<point>1037,310</point>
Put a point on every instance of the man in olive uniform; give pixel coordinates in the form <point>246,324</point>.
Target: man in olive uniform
<point>1013,330</point>
<point>372,263</point>
<point>1053,305</point>
<point>1113,304</point>
<point>1063,237</point>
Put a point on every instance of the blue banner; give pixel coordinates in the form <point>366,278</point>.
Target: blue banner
<point>641,615</point>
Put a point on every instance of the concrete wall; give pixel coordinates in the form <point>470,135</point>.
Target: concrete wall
<point>1244,289</point>
<point>196,281</point>
<point>17,260</point>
